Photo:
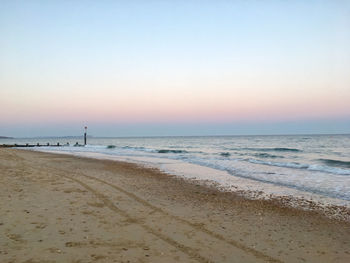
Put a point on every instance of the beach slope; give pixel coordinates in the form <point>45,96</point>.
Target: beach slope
<point>59,208</point>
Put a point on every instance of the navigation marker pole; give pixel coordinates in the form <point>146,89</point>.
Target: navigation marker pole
<point>85,135</point>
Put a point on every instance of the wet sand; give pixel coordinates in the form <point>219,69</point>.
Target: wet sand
<point>59,208</point>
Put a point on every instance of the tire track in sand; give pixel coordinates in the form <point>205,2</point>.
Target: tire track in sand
<point>198,227</point>
<point>185,249</point>
<point>192,253</point>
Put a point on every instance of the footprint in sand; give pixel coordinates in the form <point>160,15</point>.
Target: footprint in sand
<point>97,257</point>
<point>16,238</point>
<point>75,244</point>
<point>74,190</point>
<point>41,226</point>
<point>54,250</point>
<point>96,204</point>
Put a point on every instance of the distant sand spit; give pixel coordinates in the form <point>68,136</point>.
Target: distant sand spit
<point>60,208</point>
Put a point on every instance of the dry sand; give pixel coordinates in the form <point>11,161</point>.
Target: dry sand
<point>58,208</point>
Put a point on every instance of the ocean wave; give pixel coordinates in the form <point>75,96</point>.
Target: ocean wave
<point>280,164</point>
<point>275,149</point>
<point>139,148</point>
<point>328,169</point>
<point>286,150</point>
<point>225,154</point>
<point>335,163</point>
<point>311,167</point>
<point>111,146</point>
<point>133,147</point>
<point>267,155</point>
<point>171,151</point>
<point>304,179</point>
<point>279,149</point>
<point>299,185</point>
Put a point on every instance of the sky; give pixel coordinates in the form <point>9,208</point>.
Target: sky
<point>148,68</point>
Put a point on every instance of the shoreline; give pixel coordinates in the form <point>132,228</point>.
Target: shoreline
<point>182,219</point>
<point>247,188</point>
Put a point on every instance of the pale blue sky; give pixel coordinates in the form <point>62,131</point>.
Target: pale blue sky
<point>174,67</point>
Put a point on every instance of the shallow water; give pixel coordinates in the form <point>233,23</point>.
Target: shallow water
<point>315,164</point>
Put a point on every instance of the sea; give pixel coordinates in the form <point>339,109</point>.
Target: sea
<point>315,167</point>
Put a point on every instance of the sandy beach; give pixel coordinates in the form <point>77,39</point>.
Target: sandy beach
<point>59,208</point>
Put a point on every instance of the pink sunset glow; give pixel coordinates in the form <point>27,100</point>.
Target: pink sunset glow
<point>279,66</point>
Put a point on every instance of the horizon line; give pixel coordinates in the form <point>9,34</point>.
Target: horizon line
<point>165,136</point>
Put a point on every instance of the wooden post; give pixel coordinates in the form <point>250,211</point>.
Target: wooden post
<point>85,135</point>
